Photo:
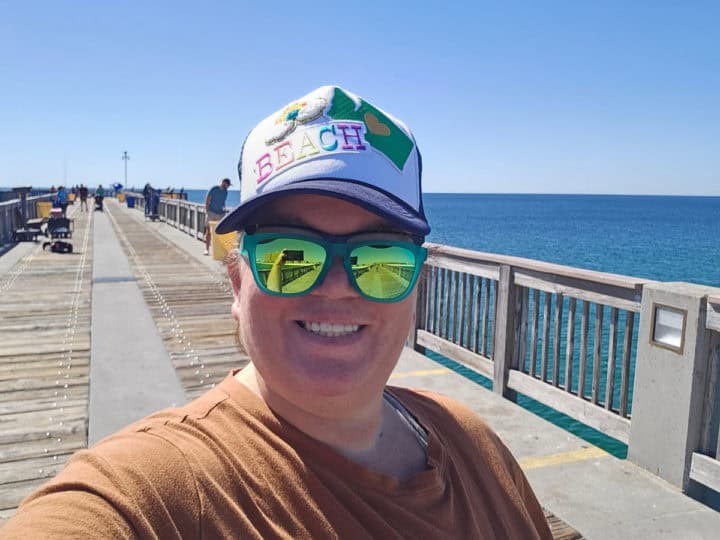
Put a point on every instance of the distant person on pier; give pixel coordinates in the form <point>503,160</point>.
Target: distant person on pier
<point>147,196</point>
<point>83,193</point>
<point>61,200</point>
<point>99,197</point>
<point>215,208</point>
<point>307,440</point>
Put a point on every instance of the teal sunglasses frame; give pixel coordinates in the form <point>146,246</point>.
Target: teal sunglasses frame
<point>334,246</point>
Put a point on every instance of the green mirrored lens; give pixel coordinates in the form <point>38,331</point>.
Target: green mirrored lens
<point>288,265</point>
<point>381,271</point>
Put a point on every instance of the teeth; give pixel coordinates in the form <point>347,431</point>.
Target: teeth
<point>330,329</point>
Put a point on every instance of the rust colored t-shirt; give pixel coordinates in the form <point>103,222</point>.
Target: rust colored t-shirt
<point>225,466</point>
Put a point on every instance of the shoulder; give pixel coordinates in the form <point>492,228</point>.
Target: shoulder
<point>130,484</point>
<point>138,481</point>
<point>155,451</point>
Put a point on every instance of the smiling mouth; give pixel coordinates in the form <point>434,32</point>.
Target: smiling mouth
<point>329,329</point>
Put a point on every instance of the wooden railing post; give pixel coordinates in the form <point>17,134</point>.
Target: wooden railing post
<point>504,332</point>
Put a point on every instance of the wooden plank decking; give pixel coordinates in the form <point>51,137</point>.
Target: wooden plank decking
<point>44,361</point>
<point>189,303</point>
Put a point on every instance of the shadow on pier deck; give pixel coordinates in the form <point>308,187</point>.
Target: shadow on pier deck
<point>158,314</point>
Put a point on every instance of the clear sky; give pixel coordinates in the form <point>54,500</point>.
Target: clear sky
<point>514,97</point>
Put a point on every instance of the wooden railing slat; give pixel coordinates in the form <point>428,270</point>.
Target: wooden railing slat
<point>467,310</point>
<point>546,337</point>
<point>584,320</point>
<point>486,309</point>
<point>457,321</point>
<point>475,312</point>
<point>445,307</point>
<point>523,296</point>
<point>557,328</point>
<point>597,350</point>
<point>534,334</point>
<point>612,347</point>
<point>570,345</point>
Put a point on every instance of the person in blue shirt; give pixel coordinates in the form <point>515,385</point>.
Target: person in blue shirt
<point>215,207</point>
<point>61,199</point>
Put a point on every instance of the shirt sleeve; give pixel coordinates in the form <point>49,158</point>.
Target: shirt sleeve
<point>130,485</point>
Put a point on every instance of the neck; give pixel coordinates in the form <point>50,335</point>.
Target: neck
<point>358,431</point>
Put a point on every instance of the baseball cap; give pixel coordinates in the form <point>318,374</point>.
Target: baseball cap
<point>332,142</point>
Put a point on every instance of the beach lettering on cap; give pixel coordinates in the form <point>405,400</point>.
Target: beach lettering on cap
<point>345,127</point>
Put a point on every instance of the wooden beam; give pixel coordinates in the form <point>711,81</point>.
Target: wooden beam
<point>581,410</point>
<point>504,332</point>
<point>705,470</point>
<point>582,290</point>
<point>482,258</point>
<point>477,362</point>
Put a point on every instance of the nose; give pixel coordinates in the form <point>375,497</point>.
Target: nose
<point>336,283</point>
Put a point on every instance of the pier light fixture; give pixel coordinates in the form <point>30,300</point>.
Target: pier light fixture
<point>668,327</point>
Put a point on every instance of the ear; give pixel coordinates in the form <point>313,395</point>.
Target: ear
<point>233,269</point>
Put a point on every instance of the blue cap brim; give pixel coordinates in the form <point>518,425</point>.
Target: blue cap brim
<point>368,197</point>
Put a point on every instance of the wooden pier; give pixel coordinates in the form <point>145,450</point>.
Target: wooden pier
<point>465,312</point>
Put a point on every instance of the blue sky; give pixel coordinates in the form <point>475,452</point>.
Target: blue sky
<point>511,97</point>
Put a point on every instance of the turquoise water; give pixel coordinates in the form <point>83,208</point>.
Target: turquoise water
<point>655,237</point>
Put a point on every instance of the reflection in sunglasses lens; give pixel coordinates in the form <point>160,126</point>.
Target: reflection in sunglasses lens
<point>382,272</point>
<point>287,265</point>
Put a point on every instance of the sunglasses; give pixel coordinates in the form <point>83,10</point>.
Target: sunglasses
<point>293,263</point>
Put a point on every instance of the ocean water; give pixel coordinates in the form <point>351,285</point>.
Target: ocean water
<point>661,238</point>
<point>655,237</point>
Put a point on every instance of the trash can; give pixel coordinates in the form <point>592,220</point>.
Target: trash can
<point>222,243</point>
<point>43,208</point>
<point>121,197</point>
<point>130,200</point>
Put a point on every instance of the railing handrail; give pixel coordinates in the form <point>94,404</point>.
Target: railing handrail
<point>17,201</point>
<point>605,278</point>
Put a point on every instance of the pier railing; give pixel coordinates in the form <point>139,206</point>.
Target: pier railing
<point>587,344</point>
<point>561,335</point>
<point>186,216</point>
<point>9,218</point>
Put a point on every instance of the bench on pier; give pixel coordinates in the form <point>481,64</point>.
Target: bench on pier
<point>28,230</point>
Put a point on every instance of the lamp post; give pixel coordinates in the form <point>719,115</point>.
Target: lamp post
<point>125,158</point>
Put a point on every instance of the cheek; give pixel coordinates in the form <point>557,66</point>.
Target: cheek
<point>397,319</point>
